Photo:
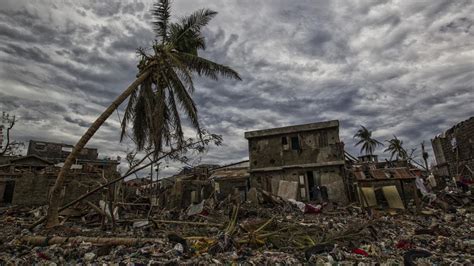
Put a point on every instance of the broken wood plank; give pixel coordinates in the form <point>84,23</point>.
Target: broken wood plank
<point>188,223</point>
<point>97,209</point>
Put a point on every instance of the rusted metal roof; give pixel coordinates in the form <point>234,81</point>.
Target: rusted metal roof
<point>384,173</point>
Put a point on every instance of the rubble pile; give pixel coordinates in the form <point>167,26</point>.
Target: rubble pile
<point>271,231</point>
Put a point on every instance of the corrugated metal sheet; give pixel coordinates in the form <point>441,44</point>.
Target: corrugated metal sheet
<point>396,173</point>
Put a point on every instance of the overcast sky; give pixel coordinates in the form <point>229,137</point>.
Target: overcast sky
<point>397,67</point>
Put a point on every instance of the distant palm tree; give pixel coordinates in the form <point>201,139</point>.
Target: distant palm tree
<point>395,147</point>
<point>365,138</point>
<point>164,83</point>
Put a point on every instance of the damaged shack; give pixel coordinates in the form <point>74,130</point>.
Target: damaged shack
<point>383,184</point>
<point>303,162</point>
<point>191,185</point>
<point>27,180</point>
<point>231,179</point>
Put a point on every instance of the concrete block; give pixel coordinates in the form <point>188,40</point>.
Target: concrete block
<point>288,189</point>
<point>275,182</point>
<point>252,195</point>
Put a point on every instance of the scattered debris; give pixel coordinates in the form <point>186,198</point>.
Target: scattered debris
<point>274,231</point>
<point>223,215</point>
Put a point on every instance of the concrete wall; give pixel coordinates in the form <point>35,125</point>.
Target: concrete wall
<point>332,177</point>
<point>446,157</point>
<point>58,150</point>
<point>317,146</point>
<point>33,188</point>
<point>228,186</point>
<point>2,189</point>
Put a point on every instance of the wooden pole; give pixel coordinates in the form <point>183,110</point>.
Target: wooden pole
<point>424,155</point>
<point>97,209</point>
<point>114,241</point>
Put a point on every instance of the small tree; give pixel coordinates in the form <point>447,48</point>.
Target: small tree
<point>10,148</point>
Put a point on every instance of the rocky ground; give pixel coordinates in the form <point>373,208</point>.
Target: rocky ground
<point>248,234</point>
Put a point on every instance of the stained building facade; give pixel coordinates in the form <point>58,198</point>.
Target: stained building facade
<point>454,150</point>
<point>297,161</point>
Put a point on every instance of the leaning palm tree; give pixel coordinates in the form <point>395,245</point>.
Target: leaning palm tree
<point>161,91</point>
<point>395,147</point>
<point>365,138</point>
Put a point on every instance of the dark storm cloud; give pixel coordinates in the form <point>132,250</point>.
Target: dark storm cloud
<point>77,121</point>
<point>397,67</point>
<point>458,25</point>
<point>29,53</point>
<point>104,8</point>
<point>32,110</point>
<point>9,32</point>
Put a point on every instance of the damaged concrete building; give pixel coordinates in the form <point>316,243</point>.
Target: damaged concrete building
<point>301,162</point>
<point>27,180</point>
<point>454,150</point>
<point>190,186</point>
<point>231,179</point>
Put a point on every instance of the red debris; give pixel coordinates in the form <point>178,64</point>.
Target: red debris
<point>403,244</point>
<point>360,252</point>
<point>308,208</point>
<point>43,256</point>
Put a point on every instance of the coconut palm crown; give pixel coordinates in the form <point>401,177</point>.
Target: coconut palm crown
<point>365,138</point>
<point>395,147</point>
<point>153,109</point>
<point>161,90</point>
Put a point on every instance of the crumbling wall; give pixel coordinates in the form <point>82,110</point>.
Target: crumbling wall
<point>228,186</point>
<point>455,148</point>
<point>186,192</point>
<point>318,146</point>
<point>334,183</point>
<point>2,189</point>
<point>32,188</point>
<point>331,177</point>
<point>58,150</point>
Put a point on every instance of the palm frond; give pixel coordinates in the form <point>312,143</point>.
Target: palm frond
<point>207,68</point>
<point>192,23</point>
<point>176,119</point>
<point>140,127</point>
<point>128,114</point>
<point>160,123</point>
<point>161,15</point>
<point>181,70</point>
<point>184,98</point>
<point>190,42</point>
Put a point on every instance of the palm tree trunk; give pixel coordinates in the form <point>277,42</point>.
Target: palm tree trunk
<point>55,196</point>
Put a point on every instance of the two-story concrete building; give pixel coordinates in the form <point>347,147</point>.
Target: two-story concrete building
<point>301,162</point>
